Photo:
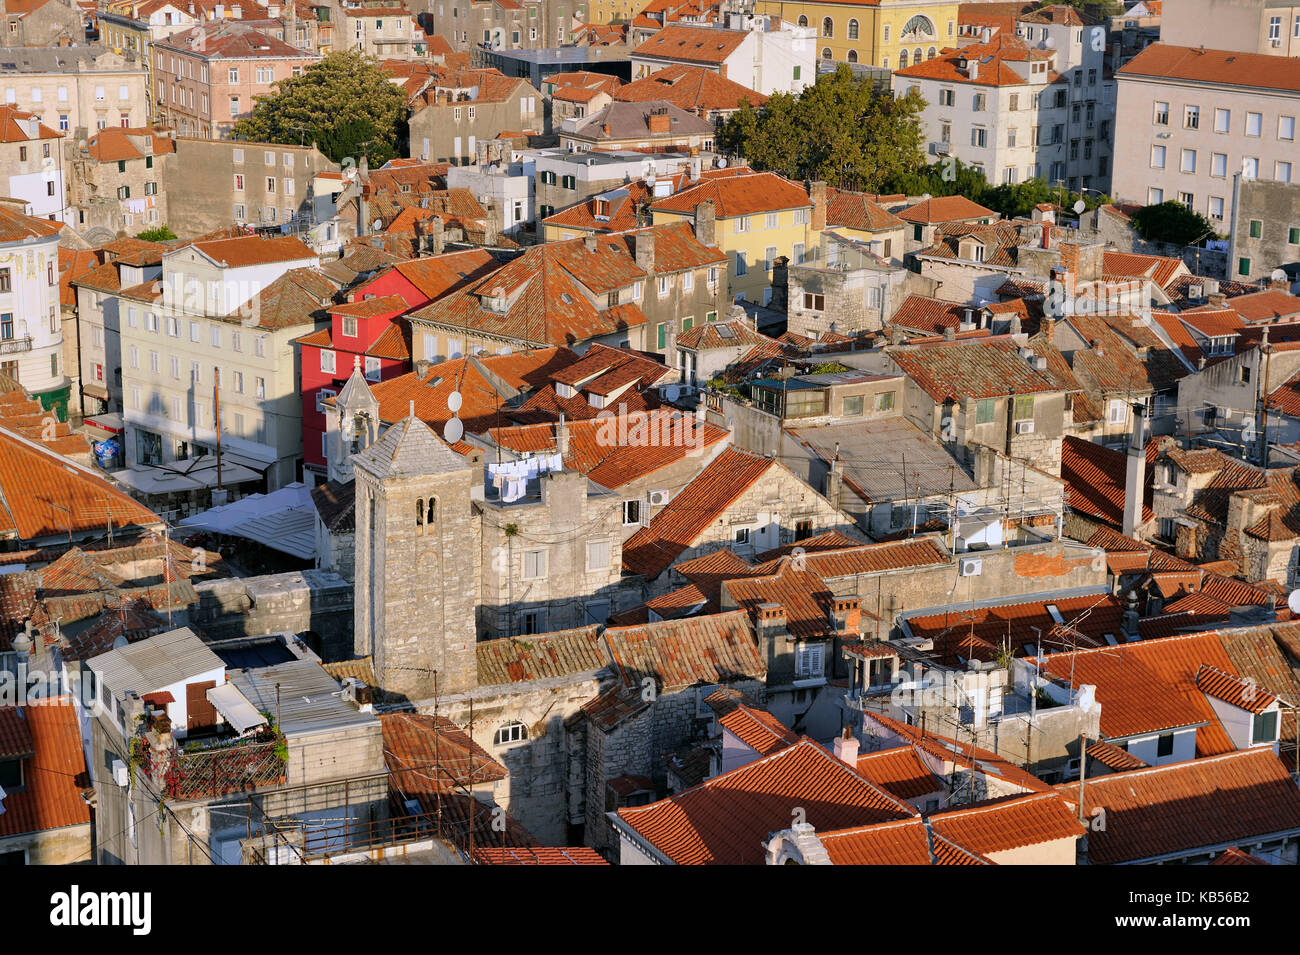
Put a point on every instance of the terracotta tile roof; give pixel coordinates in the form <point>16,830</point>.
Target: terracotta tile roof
<point>806,601</point>
<point>16,227</point>
<point>945,209</point>
<point>872,558</point>
<point>1231,689</point>
<point>691,44</point>
<point>1220,67</point>
<point>595,448</point>
<point>900,772</point>
<point>954,371</point>
<point>1234,856</point>
<point>1161,269</point>
<point>1269,305</point>
<point>995,58</point>
<point>298,297</point>
<point>652,549</point>
<point>1000,240</point>
<point>253,250</point>
<point>117,144</point>
<point>16,127</point>
<point>691,88</point>
<point>431,753</point>
<point>857,210</point>
<point>15,734</point>
<point>520,659</point>
<point>226,40</point>
<point>1126,677</point>
<point>979,633</point>
<point>1057,14</point>
<point>482,405</point>
<point>542,855</point>
<point>73,264</point>
<point>1113,757</point>
<point>1286,398</point>
<point>622,204</point>
<point>1177,808</point>
<point>735,333</point>
<point>756,728</point>
<point>1009,824</point>
<point>744,194</point>
<point>392,343</point>
<point>931,315</point>
<point>1094,478</point>
<point>830,540</point>
<point>54,775</point>
<point>622,120</point>
<point>908,842</point>
<point>584,79</point>
<point>681,653</point>
<point>726,820</point>
<point>46,495</point>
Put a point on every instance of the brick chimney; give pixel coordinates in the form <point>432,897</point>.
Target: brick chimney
<point>644,246</point>
<point>817,193</point>
<point>1135,472</point>
<point>658,121</point>
<point>846,748</point>
<point>846,616</point>
<point>1047,235</point>
<point>771,629</point>
<point>706,222</point>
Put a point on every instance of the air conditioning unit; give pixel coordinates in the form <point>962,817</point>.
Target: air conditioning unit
<point>972,567</point>
<point>659,498</point>
<point>1024,427</point>
<point>120,774</point>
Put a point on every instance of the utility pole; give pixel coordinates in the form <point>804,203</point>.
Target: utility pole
<point>1261,402</point>
<point>216,414</point>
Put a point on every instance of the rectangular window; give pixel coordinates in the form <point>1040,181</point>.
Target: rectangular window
<point>885,401</point>
<point>1219,165</point>
<point>984,410</point>
<point>1157,157</point>
<point>1161,114</point>
<point>1192,117</point>
<point>1188,161</point>
<point>1264,728</point>
<point>852,406</point>
<point>631,513</point>
<point>1165,744</point>
<point>1256,228</point>
<point>1024,407</point>
<point>814,302</point>
<point>327,361</point>
<point>598,555</point>
<point>534,564</point>
<point>1254,124</point>
<point>1286,128</point>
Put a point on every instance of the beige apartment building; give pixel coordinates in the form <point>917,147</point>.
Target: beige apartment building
<point>225,312</point>
<point>1268,27</point>
<point>384,29</point>
<point>70,88</point>
<point>207,78</point>
<point>1189,119</point>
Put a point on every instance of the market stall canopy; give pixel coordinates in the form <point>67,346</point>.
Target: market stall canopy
<point>284,520</point>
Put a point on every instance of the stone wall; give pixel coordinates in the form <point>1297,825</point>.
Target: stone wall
<point>309,601</point>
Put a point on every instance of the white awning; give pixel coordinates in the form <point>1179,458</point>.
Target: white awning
<point>235,708</point>
<point>284,520</point>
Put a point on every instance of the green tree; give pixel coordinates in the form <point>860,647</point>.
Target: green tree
<point>157,234</point>
<point>838,130</point>
<point>345,104</point>
<point>1172,222</point>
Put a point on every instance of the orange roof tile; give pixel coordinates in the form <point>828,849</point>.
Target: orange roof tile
<point>945,209</point>
<point>899,771</point>
<point>254,250</point>
<point>1220,67</point>
<point>1008,824</point>
<point>756,728</point>
<point>691,44</point>
<point>739,195</point>
<point>653,548</point>
<point>54,774</point>
<point>542,855</point>
<point>908,842</point>
<point>1177,808</point>
<point>691,88</point>
<point>726,820</point>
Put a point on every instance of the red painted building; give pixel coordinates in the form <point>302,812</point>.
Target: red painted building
<point>367,329</point>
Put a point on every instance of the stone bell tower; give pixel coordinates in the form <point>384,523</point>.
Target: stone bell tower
<point>354,425</point>
<point>418,558</point>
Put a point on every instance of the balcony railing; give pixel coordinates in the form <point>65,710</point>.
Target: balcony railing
<point>8,346</point>
<point>233,767</point>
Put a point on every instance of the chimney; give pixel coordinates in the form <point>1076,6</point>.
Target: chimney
<point>973,69</point>
<point>644,246</point>
<point>846,748</point>
<point>846,617</point>
<point>949,334</point>
<point>1216,298</point>
<point>589,242</point>
<point>1135,473</point>
<point>562,437</point>
<point>658,121</point>
<point>437,242</point>
<point>705,222</point>
<point>1047,235</point>
<point>985,464</point>
<point>771,632</point>
<point>835,480</point>
<point>817,193</point>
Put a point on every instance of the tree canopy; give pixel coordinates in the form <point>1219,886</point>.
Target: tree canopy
<point>345,104</point>
<point>160,233</point>
<point>1172,222</point>
<point>839,130</point>
<point>952,177</point>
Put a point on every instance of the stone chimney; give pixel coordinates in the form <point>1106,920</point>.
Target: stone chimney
<point>846,617</point>
<point>589,242</point>
<point>770,626</point>
<point>817,193</point>
<point>1135,472</point>
<point>644,246</point>
<point>985,466</point>
<point>846,748</point>
<point>562,437</point>
<point>835,481</point>
<point>437,240</point>
<point>706,222</point>
<point>950,334</point>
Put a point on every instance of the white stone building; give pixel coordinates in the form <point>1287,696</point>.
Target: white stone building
<point>31,337</point>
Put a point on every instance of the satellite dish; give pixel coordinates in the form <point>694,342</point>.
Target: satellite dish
<point>453,431</point>
<point>671,393</point>
<point>1049,43</point>
<point>453,401</point>
<point>722,163</point>
<point>377,224</point>
<point>1080,206</point>
<point>1294,602</point>
<point>1278,275</point>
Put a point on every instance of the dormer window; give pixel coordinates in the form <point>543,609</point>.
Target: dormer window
<point>565,391</point>
<point>11,774</point>
<point>601,210</point>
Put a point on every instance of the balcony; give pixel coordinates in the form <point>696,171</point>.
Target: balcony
<point>9,346</point>
<point>211,767</point>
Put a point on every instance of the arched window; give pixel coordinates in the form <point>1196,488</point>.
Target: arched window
<point>826,53</point>
<point>853,56</point>
<point>419,512</point>
<point>930,53</point>
<point>885,62</point>
<point>916,55</point>
<point>902,59</point>
<point>431,512</point>
<point>828,27</point>
<point>853,29</point>
<point>803,21</point>
<point>510,733</point>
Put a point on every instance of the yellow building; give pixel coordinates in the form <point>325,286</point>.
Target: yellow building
<point>889,33</point>
<point>758,218</point>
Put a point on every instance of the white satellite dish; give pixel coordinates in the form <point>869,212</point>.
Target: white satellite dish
<point>1080,206</point>
<point>1294,602</point>
<point>453,401</point>
<point>672,393</point>
<point>1278,275</point>
<point>722,163</point>
<point>453,431</point>
<point>377,224</point>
